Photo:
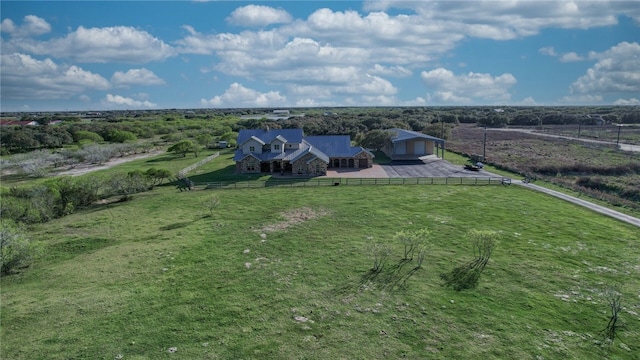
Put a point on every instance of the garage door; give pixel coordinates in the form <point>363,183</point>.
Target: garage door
<point>362,163</point>
<point>419,148</point>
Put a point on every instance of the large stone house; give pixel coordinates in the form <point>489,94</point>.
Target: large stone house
<point>288,151</point>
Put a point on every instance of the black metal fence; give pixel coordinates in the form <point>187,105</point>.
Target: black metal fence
<point>357,182</point>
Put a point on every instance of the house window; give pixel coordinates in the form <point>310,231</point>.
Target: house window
<point>276,147</point>
<point>252,148</point>
<point>317,168</point>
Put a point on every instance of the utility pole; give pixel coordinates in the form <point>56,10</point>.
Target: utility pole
<point>484,145</point>
<point>579,128</point>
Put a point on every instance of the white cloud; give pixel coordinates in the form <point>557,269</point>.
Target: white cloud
<point>565,57</point>
<point>122,102</point>
<point>379,100</point>
<point>528,101</point>
<point>631,101</point>
<point>617,70</point>
<point>502,20</point>
<point>397,71</point>
<point>32,26</point>
<point>571,57</point>
<point>581,100</point>
<point>100,45</point>
<point>141,76</point>
<point>549,51</point>
<point>418,101</point>
<point>258,15</point>
<point>467,88</point>
<point>24,77</point>
<point>239,96</point>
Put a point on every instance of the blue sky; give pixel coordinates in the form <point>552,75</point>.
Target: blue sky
<point>108,55</point>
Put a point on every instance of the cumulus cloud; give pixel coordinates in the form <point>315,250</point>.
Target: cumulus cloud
<point>617,70</point>
<point>108,44</point>
<point>336,49</point>
<point>528,101</point>
<point>501,20</point>
<point>570,57</point>
<point>627,102</point>
<point>239,96</point>
<point>121,102</point>
<point>25,77</point>
<point>136,77</point>
<point>31,26</point>
<point>397,71</point>
<point>582,99</point>
<point>258,15</point>
<point>564,57</point>
<point>467,88</point>
<point>549,51</point>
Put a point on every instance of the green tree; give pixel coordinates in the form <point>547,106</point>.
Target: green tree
<point>87,135</point>
<point>204,140</point>
<point>376,139</point>
<point>182,147</point>
<point>121,136</point>
<point>158,175</point>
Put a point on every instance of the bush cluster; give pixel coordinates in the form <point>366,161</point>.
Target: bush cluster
<point>63,196</point>
<point>588,169</point>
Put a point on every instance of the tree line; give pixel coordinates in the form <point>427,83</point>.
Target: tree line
<point>172,126</point>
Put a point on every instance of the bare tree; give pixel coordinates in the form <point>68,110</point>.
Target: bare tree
<point>613,297</point>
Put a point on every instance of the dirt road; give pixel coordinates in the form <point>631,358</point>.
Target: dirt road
<point>84,168</point>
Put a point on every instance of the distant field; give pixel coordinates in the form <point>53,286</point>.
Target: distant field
<point>600,171</point>
<point>284,274</point>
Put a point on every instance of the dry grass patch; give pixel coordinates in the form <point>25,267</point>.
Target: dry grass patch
<point>294,217</point>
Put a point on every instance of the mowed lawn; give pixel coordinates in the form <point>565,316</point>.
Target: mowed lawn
<point>283,273</point>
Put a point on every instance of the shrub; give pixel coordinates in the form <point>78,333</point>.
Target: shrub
<point>467,275</point>
<point>411,241</point>
<point>379,254</point>
<point>16,250</point>
<point>211,204</point>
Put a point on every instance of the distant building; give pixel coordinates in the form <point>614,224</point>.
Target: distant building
<point>412,145</point>
<point>19,123</point>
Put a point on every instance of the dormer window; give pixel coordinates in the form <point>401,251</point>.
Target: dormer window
<point>252,148</point>
<point>276,146</point>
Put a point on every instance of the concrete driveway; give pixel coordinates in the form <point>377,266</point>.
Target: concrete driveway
<point>431,168</point>
<point>428,167</point>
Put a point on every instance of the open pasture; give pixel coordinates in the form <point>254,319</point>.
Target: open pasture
<point>284,273</point>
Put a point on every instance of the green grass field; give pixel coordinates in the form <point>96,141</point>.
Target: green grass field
<point>283,273</point>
